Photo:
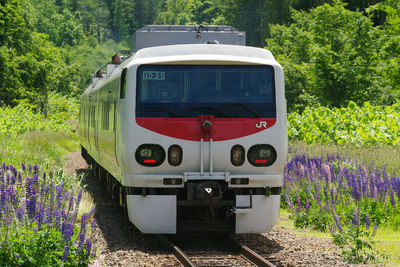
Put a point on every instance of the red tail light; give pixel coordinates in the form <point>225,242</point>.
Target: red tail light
<point>150,155</point>
<point>262,155</point>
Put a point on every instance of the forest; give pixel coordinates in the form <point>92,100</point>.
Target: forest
<point>333,51</point>
<point>342,84</point>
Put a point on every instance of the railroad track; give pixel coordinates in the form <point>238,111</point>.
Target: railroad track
<point>241,256</point>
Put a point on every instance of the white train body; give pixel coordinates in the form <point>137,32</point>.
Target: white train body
<point>193,135</point>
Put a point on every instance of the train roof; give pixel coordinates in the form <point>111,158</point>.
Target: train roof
<point>199,51</point>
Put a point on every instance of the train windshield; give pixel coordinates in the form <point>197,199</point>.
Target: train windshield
<point>189,91</point>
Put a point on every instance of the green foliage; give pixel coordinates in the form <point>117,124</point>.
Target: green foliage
<point>356,244</point>
<point>189,12</point>
<point>39,248</point>
<point>23,118</point>
<point>332,56</point>
<point>353,125</point>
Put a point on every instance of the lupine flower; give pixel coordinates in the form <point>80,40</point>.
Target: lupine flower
<point>367,222</point>
<point>88,245</point>
<point>93,224</point>
<point>65,254</point>
<point>307,206</point>
<point>35,168</point>
<point>298,205</point>
<point>23,167</point>
<point>356,219</point>
<point>392,200</point>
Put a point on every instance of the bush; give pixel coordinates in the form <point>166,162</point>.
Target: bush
<point>353,125</point>
<point>37,221</point>
<point>23,117</point>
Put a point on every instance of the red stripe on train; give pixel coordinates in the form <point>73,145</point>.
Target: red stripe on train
<point>190,128</point>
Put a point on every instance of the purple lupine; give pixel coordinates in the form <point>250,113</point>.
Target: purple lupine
<point>59,191</point>
<point>35,168</point>
<point>31,206</point>
<point>70,231</point>
<point>94,251</point>
<point>23,167</point>
<point>39,217</point>
<point>392,200</point>
<point>10,193</point>
<point>88,245</point>
<point>83,222</point>
<point>20,213</point>
<point>298,205</point>
<point>13,170</point>
<point>81,240</point>
<point>337,222</point>
<point>65,254</point>
<point>93,224</point>
<point>307,206</point>
<point>57,214</point>
<point>3,196</point>
<point>356,219</point>
<point>367,222</point>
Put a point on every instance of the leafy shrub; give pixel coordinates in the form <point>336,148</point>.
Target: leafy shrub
<point>23,118</point>
<point>358,126</point>
<point>355,242</point>
<point>37,221</point>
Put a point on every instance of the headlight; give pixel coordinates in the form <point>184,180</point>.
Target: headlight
<point>175,155</point>
<point>261,155</point>
<point>237,155</point>
<point>151,155</point>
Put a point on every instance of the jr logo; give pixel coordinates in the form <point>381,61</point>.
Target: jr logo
<point>263,124</point>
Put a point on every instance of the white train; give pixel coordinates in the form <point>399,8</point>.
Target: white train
<point>190,137</point>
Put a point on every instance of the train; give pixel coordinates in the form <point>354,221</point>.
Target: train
<point>189,131</point>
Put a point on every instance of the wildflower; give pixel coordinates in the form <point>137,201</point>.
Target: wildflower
<point>93,224</point>
<point>367,222</point>
<point>337,222</point>
<point>392,200</point>
<point>374,228</point>
<point>88,245</point>
<point>35,168</point>
<point>298,205</point>
<point>23,167</point>
<point>307,206</point>
<point>20,212</point>
<point>65,254</point>
<point>356,219</point>
<point>81,240</point>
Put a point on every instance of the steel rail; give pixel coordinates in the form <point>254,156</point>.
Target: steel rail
<point>251,255</point>
<point>178,253</point>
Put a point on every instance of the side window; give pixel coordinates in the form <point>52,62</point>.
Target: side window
<point>123,84</point>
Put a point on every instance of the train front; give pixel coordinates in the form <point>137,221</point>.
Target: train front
<point>205,139</point>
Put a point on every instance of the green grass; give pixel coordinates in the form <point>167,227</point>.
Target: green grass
<point>388,156</point>
<point>48,150</point>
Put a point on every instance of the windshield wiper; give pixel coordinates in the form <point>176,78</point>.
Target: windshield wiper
<point>249,109</point>
<point>215,109</point>
<point>176,114</point>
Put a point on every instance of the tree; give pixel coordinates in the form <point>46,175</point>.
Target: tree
<point>330,56</point>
